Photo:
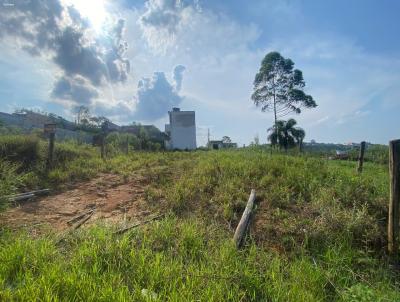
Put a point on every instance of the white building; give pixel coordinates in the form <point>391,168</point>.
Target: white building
<point>181,130</point>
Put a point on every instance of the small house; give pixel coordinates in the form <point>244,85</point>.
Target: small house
<point>219,144</point>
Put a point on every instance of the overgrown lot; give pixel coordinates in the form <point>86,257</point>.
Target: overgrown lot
<point>318,233</point>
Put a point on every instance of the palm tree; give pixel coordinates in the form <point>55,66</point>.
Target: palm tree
<point>286,135</point>
<point>299,135</point>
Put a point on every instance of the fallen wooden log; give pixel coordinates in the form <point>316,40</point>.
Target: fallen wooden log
<point>26,195</point>
<point>22,197</point>
<point>121,231</point>
<point>76,218</point>
<point>80,223</point>
<point>37,192</point>
<point>244,221</point>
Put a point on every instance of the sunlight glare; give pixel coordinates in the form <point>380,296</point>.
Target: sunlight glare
<point>94,10</point>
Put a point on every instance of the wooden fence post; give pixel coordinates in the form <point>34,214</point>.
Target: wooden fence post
<point>394,202</point>
<point>50,129</point>
<point>102,146</point>
<point>244,221</point>
<point>361,157</point>
<point>51,150</point>
<point>104,131</point>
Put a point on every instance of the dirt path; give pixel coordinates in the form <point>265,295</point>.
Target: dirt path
<point>114,201</point>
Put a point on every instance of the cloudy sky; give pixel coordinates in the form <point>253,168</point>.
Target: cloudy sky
<point>134,60</point>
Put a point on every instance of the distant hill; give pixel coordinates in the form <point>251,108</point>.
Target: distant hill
<point>28,120</point>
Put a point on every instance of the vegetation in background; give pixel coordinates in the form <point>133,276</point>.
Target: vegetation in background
<point>374,153</point>
<point>6,129</point>
<point>286,135</point>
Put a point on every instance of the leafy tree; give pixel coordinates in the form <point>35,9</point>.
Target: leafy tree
<point>98,121</point>
<point>285,134</point>
<point>299,135</point>
<point>226,139</point>
<point>119,141</point>
<point>279,88</point>
<point>143,137</point>
<point>82,114</point>
<point>256,140</point>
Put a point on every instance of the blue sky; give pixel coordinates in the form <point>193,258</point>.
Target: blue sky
<point>349,53</point>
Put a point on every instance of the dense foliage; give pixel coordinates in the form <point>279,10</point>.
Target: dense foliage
<point>280,88</point>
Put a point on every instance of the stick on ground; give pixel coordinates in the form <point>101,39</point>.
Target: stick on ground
<point>80,223</point>
<point>244,221</point>
<point>76,218</point>
<point>121,231</point>
<point>27,195</point>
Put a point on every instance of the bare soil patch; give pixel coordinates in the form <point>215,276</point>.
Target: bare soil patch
<point>114,200</point>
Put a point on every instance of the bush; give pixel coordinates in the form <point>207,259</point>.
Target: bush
<point>23,164</point>
<point>19,148</point>
<point>67,152</point>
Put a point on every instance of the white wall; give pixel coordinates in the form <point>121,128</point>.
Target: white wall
<point>183,130</point>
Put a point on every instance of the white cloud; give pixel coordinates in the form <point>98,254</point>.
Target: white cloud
<point>222,55</point>
<point>221,61</point>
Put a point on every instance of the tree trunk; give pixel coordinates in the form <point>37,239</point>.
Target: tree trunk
<point>275,118</point>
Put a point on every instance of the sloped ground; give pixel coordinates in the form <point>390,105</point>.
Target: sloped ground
<point>318,233</point>
<point>113,198</point>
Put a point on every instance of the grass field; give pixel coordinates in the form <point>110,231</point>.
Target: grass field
<point>318,233</point>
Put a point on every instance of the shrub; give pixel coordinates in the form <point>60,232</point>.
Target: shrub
<point>67,152</point>
<point>19,148</point>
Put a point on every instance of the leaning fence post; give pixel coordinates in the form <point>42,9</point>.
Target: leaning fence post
<point>394,202</point>
<point>244,221</point>
<point>361,157</point>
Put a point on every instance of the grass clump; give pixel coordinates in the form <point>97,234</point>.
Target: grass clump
<point>21,149</point>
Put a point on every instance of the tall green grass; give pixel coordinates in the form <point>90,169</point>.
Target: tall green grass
<point>320,232</point>
<point>23,164</point>
<point>310,200</point>
<point>180,260</point>
<point>22,149</point>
